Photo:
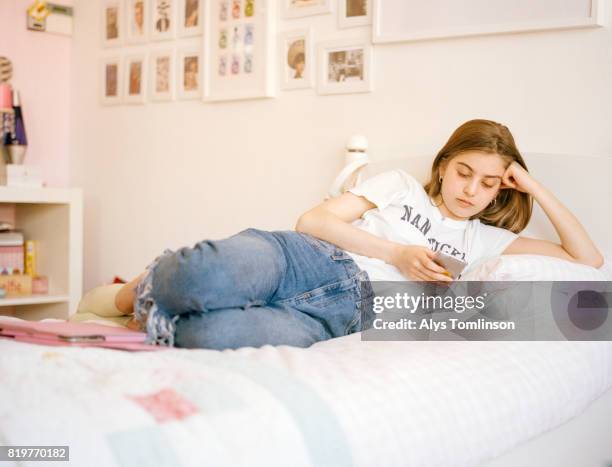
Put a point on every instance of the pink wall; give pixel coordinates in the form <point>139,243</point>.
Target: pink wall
<point>41,65</point>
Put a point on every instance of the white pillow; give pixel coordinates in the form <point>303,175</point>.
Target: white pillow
<point>606,267</point>
<point>536,268</point>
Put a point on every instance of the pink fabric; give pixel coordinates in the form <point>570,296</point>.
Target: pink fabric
<point>166,405</point>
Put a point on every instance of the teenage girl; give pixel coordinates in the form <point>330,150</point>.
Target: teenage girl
<point>299,287</point>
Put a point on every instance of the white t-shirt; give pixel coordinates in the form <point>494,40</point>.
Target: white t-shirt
<point>405,214</point>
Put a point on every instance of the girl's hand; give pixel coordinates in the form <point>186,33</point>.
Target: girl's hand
<point>416,263</point>
<point>517,178</point>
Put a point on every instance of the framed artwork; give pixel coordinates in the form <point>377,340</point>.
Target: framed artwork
<point>162,75</point>
<point>415,20</point>
<point>135,79</point>
<point>110,80</point>
<point>190,18</point>
<point>354,13</point>
<point>137,21</point>
<point>242,49</point>
<point>296,59</point>
<point>112,24</point>
<point>163,19</point>
<point>345,66</point>
<point>299,8</point>
<point>189,62</point>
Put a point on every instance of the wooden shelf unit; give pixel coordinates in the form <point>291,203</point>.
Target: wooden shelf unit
<point>53,217</point>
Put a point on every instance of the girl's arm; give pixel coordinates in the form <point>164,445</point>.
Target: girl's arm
<point>331,221</point>
<point>576,245</point>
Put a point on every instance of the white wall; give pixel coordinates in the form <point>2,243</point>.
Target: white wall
<point>167,175</point>
<point>41,73</point>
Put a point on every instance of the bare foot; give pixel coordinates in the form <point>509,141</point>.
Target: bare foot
<point>133,325</point>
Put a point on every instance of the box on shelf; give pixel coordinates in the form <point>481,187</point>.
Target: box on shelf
<point>11,259</point>
<point>23,176</point>
<point>18,276</point>
<point>11,238</point>
<point>40,285</point>
<point>16,285</point>
<point>31,251</point>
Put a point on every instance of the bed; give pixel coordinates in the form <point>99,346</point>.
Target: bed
<point>342,402</point>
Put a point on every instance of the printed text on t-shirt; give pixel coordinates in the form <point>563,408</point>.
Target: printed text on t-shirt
<point>423,224</point>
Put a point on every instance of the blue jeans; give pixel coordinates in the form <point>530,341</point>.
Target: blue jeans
<point>251,289</point>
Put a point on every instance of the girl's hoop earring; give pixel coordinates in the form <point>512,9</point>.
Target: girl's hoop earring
<point>494,202</point>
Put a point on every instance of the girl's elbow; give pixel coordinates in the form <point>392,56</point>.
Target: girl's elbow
<point>303,223</point>
<point>299,225</point>
<point>598,262</point>
<point>594,262</point>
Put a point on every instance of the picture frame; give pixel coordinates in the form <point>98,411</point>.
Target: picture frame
<point>242,52</point>
<point>135,79</point>
<point>414,20</point>
<point>163,19</point>
<point>191,18</point>
<point>137,21</point>
<point>111,84</point>
<point>112,23</point>
<point>354,13</point>
<point>162,75</point>
<point>296,59</point>
<point>344,66</point>
<point>190,72</point>
<point>301,8</point>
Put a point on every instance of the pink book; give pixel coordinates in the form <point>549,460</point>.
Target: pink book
<point>75,334</point>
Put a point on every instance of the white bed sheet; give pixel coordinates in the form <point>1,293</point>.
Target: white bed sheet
<point>341,402</point>
<point>583,441</point>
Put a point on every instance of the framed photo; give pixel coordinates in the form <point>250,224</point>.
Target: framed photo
<point>296,59</point>
<point>110,80</point>
<point>189,62</point>
<point>112,23</point>
<point>190,18</point>
<point>162,75</point>
<point>354,13</point>
<point>137,27</point>
<point>344,66</point>
<point>135,79</point>
<point>299,8</point>
<point>242,49</point>
<point>163,19</point>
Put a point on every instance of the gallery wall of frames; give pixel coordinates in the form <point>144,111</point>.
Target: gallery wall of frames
<point>217,50</point>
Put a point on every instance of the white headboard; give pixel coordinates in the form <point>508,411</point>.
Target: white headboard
<point>582,183</point>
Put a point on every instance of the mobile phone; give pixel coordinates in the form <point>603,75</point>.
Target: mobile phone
<point>91,338</point>
<point>453,265</point>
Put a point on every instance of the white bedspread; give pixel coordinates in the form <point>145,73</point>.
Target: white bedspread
<point>342,402</point>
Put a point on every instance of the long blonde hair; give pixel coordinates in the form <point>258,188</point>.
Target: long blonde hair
<point>512,208</point>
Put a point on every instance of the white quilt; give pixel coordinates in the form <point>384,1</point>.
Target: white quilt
<point>342,402</point>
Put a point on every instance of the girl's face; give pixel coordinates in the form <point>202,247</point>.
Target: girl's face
<point>471,180</point>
